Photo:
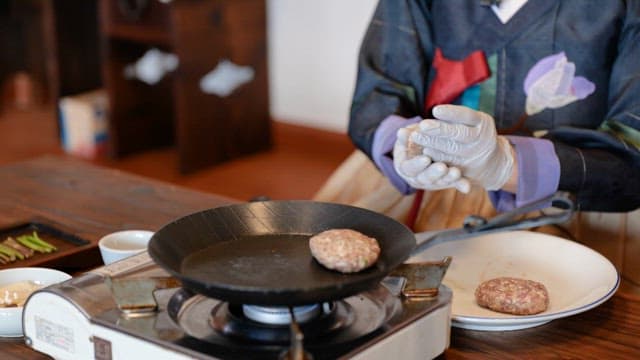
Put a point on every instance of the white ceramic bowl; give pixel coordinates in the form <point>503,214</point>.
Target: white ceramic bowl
<point>122,244</point>
<point>11,317</point>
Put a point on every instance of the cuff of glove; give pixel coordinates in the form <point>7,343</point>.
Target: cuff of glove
<point>538,174</point>
<point>383,141</point>
<point>497,172</point>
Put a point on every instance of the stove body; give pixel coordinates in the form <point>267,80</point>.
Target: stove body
<point>79,319</point>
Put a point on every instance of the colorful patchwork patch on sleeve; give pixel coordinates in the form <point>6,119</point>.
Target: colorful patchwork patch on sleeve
<point>551,83</point>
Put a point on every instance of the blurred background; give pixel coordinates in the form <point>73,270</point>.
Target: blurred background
<point>239,97</point>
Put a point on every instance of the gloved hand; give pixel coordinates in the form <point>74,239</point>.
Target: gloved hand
<point>464,138</point>
<point>419,171</point>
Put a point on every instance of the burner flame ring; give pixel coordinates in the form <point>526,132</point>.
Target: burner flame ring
<point>279,315</point>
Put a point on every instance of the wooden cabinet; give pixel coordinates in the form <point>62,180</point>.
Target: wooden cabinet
<point>206,129</point>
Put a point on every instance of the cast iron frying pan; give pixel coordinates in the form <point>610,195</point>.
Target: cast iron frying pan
<point>258,253</point>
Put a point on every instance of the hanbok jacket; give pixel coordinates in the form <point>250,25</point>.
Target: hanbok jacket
<point>596,137</point>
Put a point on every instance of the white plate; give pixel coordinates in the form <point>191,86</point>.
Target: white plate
<point>576,277</point>
<point>11,317</point>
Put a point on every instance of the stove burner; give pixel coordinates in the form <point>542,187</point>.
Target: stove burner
<point>279,315</point>
<point>218,327</point>
<point>319,319</point>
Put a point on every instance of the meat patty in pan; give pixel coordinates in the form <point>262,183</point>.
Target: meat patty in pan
<point>344,250</point>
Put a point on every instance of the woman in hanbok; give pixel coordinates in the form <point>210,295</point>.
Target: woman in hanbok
<point>477,107</point>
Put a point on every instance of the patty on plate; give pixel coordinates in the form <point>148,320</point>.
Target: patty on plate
<point>513,296</point>
<point>344,250</point>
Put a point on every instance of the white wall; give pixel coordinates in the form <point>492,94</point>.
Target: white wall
<point>313,48</point>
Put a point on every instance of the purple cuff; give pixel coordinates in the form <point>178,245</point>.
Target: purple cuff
<point>382,148</point>
<point>538,174</point>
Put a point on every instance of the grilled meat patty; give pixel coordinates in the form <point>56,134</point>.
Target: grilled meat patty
<point>513,296</point>
<point>344,250</point>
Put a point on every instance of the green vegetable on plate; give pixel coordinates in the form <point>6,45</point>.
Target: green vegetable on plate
<point>35,243</point>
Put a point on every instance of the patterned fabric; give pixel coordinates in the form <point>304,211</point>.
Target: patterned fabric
<point>453,77</point>
<point>551,84</point>
<point>395,72</point>
<point>483,95</point>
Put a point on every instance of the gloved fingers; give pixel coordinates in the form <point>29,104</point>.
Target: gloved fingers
<point>414,166</point>
<point>434,173</point>
<point>405,166</point>
<point>440,144</point>
<point>463,185</point>
<point>479,125</point>
<point>446,138</point>
<point>453,174</point>
<point>457,114</point>
<point>412,127</point>
<point>451,155</point>
<point>440,176</point>
<point>431,128</point>
<point>385,136</point>
<point>453,179</point>
<point>404,138</point>
<point>399,153</point>
<point>402,135</point>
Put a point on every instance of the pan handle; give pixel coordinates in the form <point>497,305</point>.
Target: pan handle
<point>563,208</point>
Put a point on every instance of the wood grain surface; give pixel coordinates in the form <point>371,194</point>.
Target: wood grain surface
<point>91,201</point>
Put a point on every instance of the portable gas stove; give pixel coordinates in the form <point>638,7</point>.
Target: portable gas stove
<point>132,308</point>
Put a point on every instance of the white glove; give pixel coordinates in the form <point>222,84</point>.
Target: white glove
<point>418,170</point>
<point>465,138</point>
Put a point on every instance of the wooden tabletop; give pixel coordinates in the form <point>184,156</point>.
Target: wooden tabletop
<point>91,202</point>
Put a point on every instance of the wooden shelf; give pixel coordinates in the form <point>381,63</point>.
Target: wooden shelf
<point>205,128</point>
<point>138,34</point>
<point>148,22</point>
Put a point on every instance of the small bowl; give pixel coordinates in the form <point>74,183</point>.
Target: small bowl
<point>122,244</point>
<point>11,317</point>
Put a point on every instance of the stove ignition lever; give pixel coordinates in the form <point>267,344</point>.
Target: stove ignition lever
<point>296,348</point>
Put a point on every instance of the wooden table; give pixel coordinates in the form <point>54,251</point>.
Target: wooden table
<point>95,201</point>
